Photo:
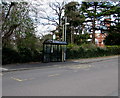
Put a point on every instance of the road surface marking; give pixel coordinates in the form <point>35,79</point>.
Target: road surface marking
<point>20,80</point>
<point>62,67</point>
<point>17,79</point>
<point>28,79</point>
<point>1,74</point>
<point>1,68</point>
<point>53,75</point>
<point>80,67</point>
<point>31,78</point>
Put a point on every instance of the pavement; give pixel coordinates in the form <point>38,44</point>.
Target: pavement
<point>38,65</point>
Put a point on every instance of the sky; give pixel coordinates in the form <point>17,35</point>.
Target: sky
<point>45,29</point>
<point>43,5</point>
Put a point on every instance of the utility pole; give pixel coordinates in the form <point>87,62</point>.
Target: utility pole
<point>65,27</point>
<point>63,34</point>
<point>64,37</point>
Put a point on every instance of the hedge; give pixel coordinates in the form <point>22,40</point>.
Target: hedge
<point>23,55</point>
<point>89,50</point>
<point>10,56</point>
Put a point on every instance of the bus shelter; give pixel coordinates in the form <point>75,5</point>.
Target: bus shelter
<point>54,51</point>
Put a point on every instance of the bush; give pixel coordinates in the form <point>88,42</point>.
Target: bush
<point>23,55</point>
<point>10,56</point>
<point>37,56</point>
<point>90,50</point>
<point>73,46</point>
<point>114,50</point>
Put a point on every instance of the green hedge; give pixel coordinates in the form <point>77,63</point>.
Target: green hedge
<point>113,50</point>
<point>90,50</point>
<point>9,56</point>
<point>23,55</point>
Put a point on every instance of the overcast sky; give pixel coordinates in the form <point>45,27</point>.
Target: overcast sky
<point>43,4</point>
<point>45,29</point>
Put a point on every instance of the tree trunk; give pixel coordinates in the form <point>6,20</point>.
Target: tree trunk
<point>93,34</point>
<point>72,35</point>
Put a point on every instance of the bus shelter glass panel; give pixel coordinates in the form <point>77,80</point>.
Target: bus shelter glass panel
<point>56,55</point>
<point>54,51</point>
<point>46,56</point>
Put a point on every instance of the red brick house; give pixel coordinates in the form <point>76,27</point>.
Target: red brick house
<point>99,37</point>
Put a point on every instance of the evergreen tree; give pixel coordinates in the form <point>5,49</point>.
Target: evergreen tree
<point>94,12</point>
<point>113,37</point>
<point>75,18</point>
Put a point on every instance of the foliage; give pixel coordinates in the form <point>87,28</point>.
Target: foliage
<point>23,55</point>
<point>113,37</point>
<point>73,15</point>
<point>90,50</point>
<point>47,37</point>
<point>81,38</point>
<point>10,56</point>
<point>16,20</point>
<point>19,42</point>
<point>75,20</point>
<point>17,26</point>
<point>88,46</point>
<point>95,11</point>
<point>72,46</point>
<point>114,49</point>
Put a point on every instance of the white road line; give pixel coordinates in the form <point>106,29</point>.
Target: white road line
<point>53,75</point>
<point>21,80</point>
<point>80,67</point>
<point>17,79</point>
<point>3,69</point>
<point>1,74</point>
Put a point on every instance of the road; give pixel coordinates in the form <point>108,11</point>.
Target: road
<point>75,79</point>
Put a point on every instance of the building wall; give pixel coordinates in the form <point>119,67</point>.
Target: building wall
<point>99,38</point>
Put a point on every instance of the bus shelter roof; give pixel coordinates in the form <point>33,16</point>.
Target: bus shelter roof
<point>55,42</point>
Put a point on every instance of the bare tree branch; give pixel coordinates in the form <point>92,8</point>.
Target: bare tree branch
<point>10,7</point>
<point>56,17</point>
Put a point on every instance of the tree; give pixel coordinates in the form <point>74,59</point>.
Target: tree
<point>55,19</point>
<point>114,31</point>
<point>81,38</point>
<point>94,12</point>
<point>75,18</point>
<point>17,24</point>
<point>8,24</point>
<point>19,41</point>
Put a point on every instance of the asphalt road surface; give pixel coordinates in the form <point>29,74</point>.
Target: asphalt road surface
<point>91,79</point>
